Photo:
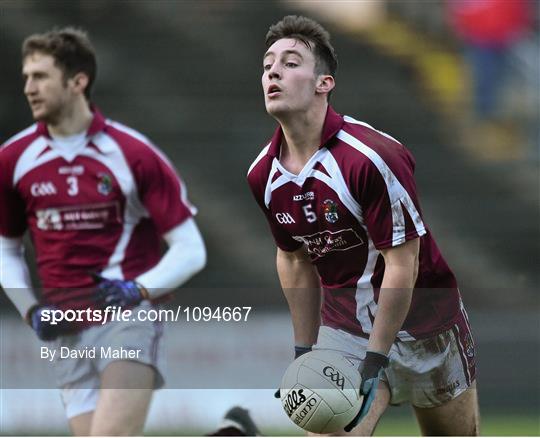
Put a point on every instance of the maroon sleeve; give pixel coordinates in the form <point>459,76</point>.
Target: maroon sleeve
<point>162,191</point>
<point>12,207</point>
<point>386,192</point>
<point>257,180</point>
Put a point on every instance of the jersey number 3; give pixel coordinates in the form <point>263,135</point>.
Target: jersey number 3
<point>73,185</point>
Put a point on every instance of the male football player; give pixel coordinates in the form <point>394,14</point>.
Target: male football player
<point>97,198</point>
<point>341,202</point>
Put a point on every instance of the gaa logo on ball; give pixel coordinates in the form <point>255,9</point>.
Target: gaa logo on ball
<point>320,391</point>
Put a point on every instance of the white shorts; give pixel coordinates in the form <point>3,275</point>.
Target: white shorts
<point>79,378</point>
<point>427,372</point>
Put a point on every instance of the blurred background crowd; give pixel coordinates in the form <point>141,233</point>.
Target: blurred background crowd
<point>457,81</point>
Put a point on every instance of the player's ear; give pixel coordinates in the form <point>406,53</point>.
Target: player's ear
<point>79,82</point>
<point>325,84</point>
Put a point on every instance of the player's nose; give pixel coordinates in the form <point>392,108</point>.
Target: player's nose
<point>29,87</point>
<point>274,72</point>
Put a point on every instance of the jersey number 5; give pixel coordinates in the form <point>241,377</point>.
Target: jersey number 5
<point>310,214</point>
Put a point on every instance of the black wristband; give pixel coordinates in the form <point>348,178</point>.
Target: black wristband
<point>299,351</point>
<point>373,362</point>
<point>376,359</point>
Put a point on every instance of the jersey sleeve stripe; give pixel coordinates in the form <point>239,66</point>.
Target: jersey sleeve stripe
<point>259,158</point>
<point>399,197</point>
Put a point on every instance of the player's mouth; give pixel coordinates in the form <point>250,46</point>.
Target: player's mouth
<point>35,102</point>
<point>273,91</point>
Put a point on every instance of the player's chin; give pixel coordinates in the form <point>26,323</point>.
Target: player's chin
<point>40,114</point>
<point>45,116</point>
<point>276,109</point>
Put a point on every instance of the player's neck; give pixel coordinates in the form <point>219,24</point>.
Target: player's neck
<point>301,137</point>
<point>74,120</point>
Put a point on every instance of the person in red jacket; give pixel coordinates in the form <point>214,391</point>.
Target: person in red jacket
<point>488,29</point>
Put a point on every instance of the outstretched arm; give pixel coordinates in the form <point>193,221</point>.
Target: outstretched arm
<point>185,257</point>
<point>15,280</point>
<point>14,275</point>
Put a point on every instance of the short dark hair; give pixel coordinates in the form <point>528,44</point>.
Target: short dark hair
<point>312,34</point>
<point>71,49</point>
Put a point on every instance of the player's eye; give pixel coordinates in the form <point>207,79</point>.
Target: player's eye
<point>291,64</point>
<point>267,67</point>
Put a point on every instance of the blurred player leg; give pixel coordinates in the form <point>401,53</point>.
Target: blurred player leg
<point>124,398</point>
<point>81,424</point>
<point>237,422</point>
<point>459,416</point>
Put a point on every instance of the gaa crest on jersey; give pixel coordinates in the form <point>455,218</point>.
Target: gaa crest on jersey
<point>104,184</point>
<point>330,211</point>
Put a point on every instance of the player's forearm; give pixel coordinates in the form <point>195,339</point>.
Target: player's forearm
<point>14,275</point>
<point>393,305</point>
<point>301,287</point>
<point>401,269</point>
<point>185,257</point>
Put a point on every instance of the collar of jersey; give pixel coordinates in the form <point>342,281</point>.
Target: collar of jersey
<point>333,123</point>
<point>306,170</point>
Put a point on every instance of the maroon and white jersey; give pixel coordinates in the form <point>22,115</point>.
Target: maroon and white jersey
<point>100,208</point>
<point>354,197</point>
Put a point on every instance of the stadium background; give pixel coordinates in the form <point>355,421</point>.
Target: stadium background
<point>187,74</point>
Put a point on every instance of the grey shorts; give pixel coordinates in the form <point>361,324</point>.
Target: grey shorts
<point>79,378</point>
<point>426,372</point>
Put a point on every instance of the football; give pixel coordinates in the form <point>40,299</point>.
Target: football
<point>320,391</point>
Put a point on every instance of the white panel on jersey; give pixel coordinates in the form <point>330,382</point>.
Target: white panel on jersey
<point>69,147</point>
<point>24,133</point>
<point>32,158</point>
<point>304,174</point>
<point>259,157</point>
<point>280,181</point>
<point>365,299</point>
<point>398,195</point>
<point>157,151</point>
<point>349,119</point>
<point>268,189</point>
<point>336,182</point>
<point>114,159</point>
<point>287,176</point>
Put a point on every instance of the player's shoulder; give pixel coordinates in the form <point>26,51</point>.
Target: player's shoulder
<point>126,136</point>
<point>141,153</point>
<point>360,135</point>
<point>16,144</point>
<point>260,167</point>
<point>361,142</point>
<point>135,145</point>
